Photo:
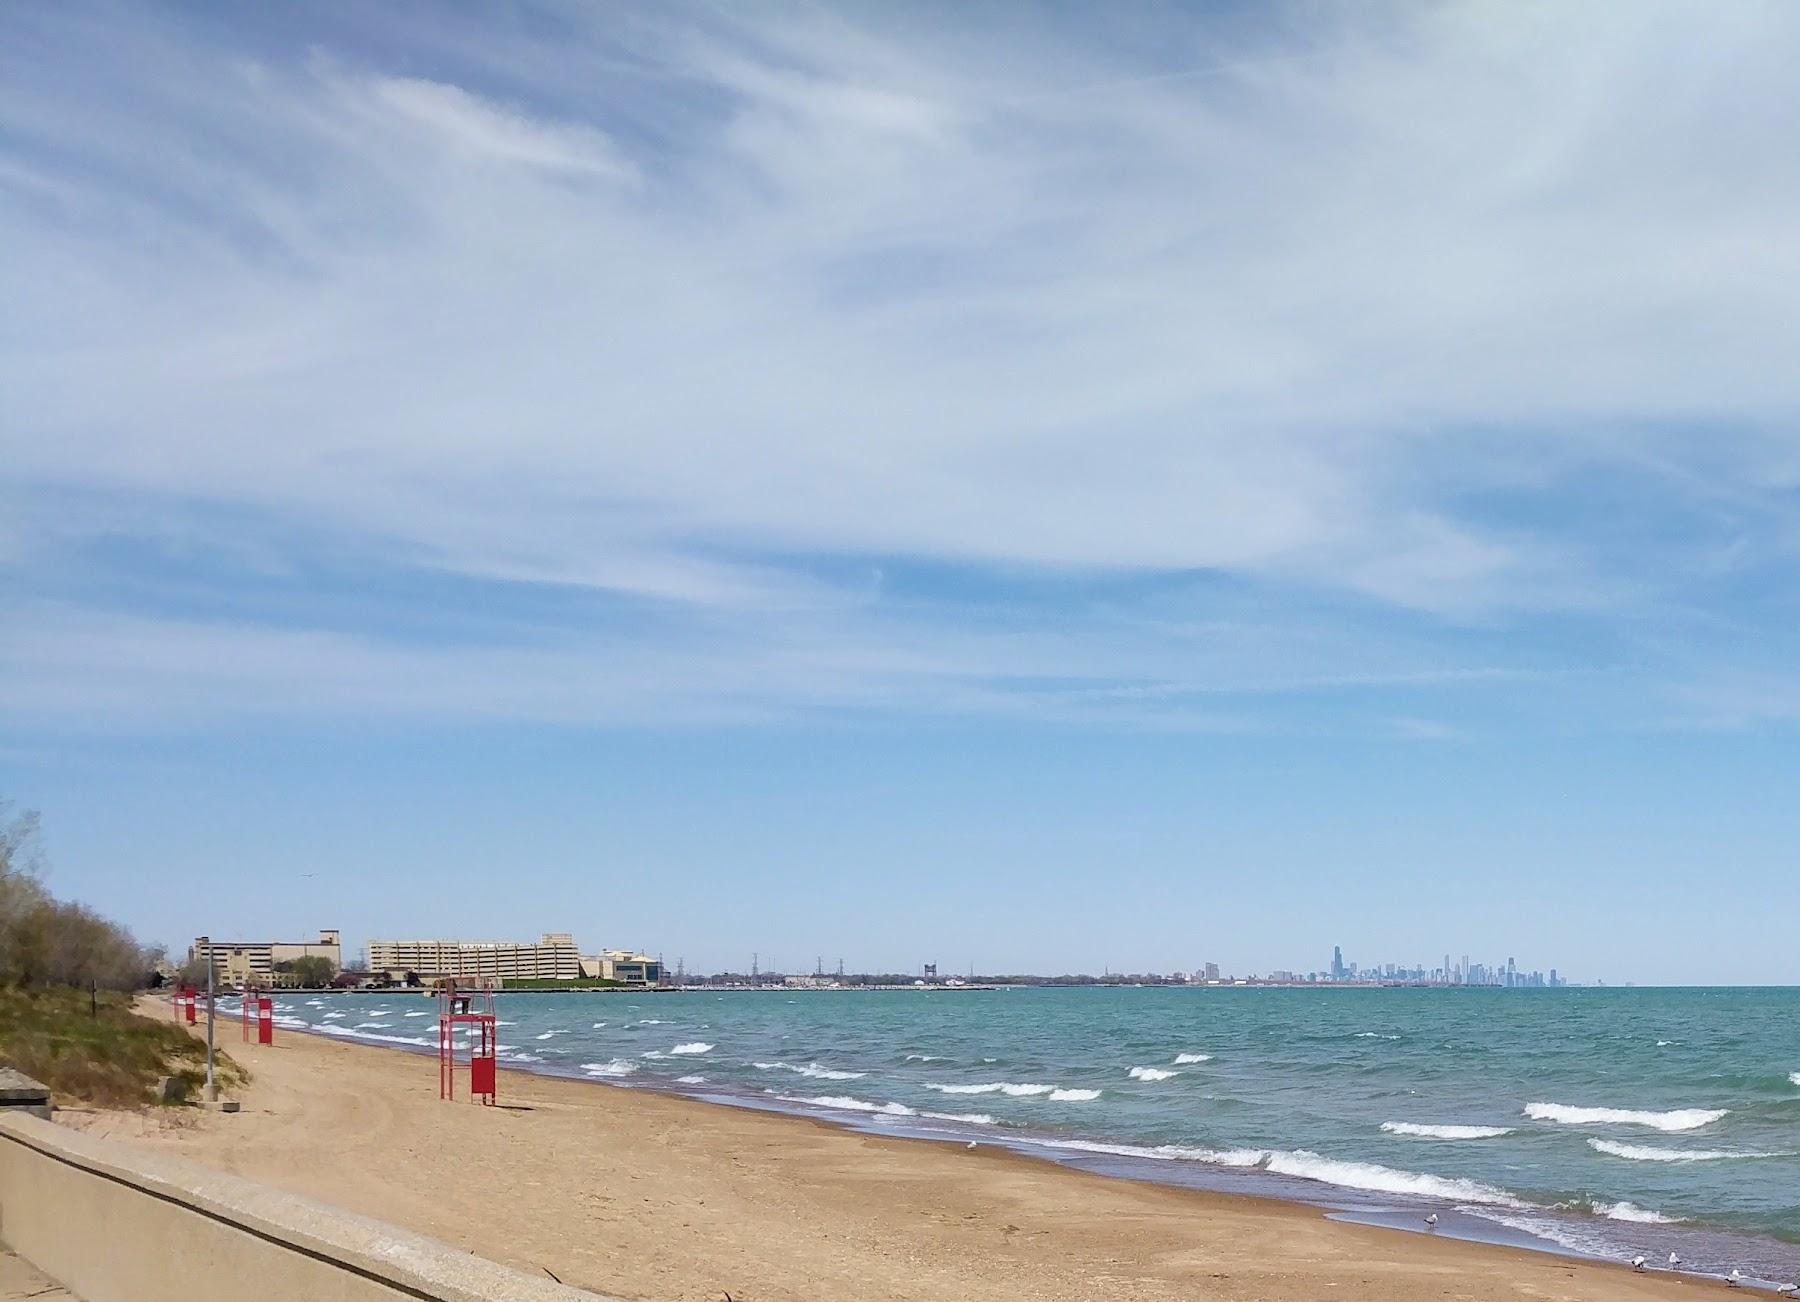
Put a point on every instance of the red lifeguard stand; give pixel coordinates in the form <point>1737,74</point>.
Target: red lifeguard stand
<point>474,1010</point>
<point>257,1007</point>
<point>183,1004</point>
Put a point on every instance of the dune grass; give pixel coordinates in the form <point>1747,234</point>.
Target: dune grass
<point>107,1056</point>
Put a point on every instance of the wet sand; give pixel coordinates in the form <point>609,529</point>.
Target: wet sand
<point>649,1195</point>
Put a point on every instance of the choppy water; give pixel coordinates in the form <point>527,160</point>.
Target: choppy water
<point>1607,1122</point>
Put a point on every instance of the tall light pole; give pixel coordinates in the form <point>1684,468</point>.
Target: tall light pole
<point>212,1090</point>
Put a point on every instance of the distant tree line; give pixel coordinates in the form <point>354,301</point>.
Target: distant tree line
<point>49,942</point>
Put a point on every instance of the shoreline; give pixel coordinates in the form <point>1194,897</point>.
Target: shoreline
<point>775,1204</point>
<point>1551,1229</point>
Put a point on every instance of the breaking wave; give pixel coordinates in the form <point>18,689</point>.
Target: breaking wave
<point>690,1080</point>
<point>1011,1090</point>
<point>845,1103</point>
<point>692,1047</point>
<point>1305,1165</point>
<point>1182,1059</point>
<point>1151,1073</point>
<point>1644,1153</point>
<point>357,1033</point>
<point>811,1069</point>
<point>617,1067</point>
<point>1624,1211</point>
<point>1677,1119</point>
<point>1301,1164</point>
<point>1444,1132</point>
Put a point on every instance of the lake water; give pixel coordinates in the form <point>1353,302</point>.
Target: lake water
<point>1606,1122</point>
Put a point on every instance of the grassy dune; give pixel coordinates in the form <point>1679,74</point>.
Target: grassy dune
<point>108,1056</point>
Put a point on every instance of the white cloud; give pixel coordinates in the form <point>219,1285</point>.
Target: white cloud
<point>643,305</point>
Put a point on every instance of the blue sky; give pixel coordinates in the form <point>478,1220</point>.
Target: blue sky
<point>908,483</point>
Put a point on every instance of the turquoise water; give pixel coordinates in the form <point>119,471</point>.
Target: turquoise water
<point>1607,1122</point>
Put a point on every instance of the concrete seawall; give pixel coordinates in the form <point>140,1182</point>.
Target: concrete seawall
<point>117,1224</point>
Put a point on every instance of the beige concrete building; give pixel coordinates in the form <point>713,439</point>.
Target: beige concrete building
<point>553,957</point>
<point>625,966</point>
<point>238,961</point>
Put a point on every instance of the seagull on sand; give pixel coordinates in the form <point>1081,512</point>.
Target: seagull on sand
<point>1787,1290</point>
<point>1674,1261</point>
<point>1637,1262</point>
<point>1735,1278</point>
<point>1431,1220</point>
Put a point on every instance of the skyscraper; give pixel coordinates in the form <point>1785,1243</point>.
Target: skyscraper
<point>1337,963</point>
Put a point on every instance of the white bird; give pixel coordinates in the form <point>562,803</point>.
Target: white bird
<point>1674,1261</point>
<point>1787,1290</point>
<point>1735,1278</point>
<point>971,1144</point>
<point>1431,1220</point>
<point>1637,1262</point>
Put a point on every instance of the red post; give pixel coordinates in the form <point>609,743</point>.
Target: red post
<point>265,1020</point>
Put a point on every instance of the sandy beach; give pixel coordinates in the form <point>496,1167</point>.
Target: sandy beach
<point>647,1195</point>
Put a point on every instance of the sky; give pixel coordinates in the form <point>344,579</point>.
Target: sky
<point>994,485</point>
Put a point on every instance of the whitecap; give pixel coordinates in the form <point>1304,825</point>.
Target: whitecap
<point>1074,1096</point>
<point>598,1025</point>
<point>846,1104</point>
<point>417,1014</point>
<point>811,1069</point>
<point>332,1017</point>
<point>551,1034</point>
<point>1151,1073</point>
<point>924,1057</point>
<point>994,1087</point>
<point>1674,1120</point>
<point>690,1080</point>
<point>693,1047</point>
<point>1794,1077</point>
<point>617,1067</point>
<point>970,1118</point>
<point>356,1033</point>
<point>1646,1153</point>
<point>1233,1157</point>
<point>1306,1165</point>
<point>379,1026</point>
<point>1182,1059</point>
<point>1444,1132</point>
<point>1624,1211</point>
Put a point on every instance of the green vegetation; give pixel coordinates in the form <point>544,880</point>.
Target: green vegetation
<point>65,1014</point>
<point>49,942</point>
<point>96,1050</point>
<point>310,970</point>
<point>564,983</point>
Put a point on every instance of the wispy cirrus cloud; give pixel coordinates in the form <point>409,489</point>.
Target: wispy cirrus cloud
<point>1371,316</point>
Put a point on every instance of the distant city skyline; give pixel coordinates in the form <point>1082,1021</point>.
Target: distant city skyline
<point>1035,484</point>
